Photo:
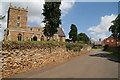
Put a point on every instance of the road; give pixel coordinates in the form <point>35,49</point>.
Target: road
<point>96,64</point>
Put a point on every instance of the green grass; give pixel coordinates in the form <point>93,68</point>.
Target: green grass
<point>42,42</point>
<point>34,42</point>
<point>109,52</point>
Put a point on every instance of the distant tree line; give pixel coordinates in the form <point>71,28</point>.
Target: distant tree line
<point>74,36</point>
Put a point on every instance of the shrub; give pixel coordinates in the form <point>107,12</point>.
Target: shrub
<point>105,48</point>
<point>116,52</point>
<point>74,47</point>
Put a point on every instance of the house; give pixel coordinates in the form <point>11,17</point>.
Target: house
<point>110,41</point>
<point>18,30</point>
<point>97,44</point>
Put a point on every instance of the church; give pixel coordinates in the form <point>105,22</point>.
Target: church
<point>18,30</point>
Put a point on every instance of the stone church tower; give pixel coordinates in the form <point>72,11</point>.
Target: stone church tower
<point>17,17</point>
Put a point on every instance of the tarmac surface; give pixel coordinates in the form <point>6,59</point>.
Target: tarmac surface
<point>96,64</point>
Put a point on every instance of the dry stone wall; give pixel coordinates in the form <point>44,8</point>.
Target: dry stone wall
<point>21,57</point>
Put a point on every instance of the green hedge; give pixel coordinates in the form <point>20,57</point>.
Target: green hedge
<point>74,47</point>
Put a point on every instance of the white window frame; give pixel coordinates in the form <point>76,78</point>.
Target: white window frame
<point>107,40</point>
<point>112,40</point>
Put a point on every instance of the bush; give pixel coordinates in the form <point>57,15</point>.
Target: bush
<point>116,52</point>
<point>105,48</point>
<point>74,47</point>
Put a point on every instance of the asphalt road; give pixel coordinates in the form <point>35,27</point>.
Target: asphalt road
<point>96,64</point>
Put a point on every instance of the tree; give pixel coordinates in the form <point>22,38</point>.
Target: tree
<point>115,28</point>
<point>51,13</point>
<point>2,17</point>
<point>83,37</point>
<point>73,33</point>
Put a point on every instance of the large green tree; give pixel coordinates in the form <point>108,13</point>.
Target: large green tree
<point>83,37</point>
<point>52,14</point>
<point>115,28</point>
<point>73,33</point>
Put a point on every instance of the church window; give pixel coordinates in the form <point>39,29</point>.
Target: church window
<point>18,17</point>
<point>31,29</point>
<point>18,24</point>
<point>38,29</point>
<point>19,37</point>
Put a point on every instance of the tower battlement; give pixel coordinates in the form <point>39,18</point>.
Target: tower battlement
<point>18,8</point>
<point>17,16</point>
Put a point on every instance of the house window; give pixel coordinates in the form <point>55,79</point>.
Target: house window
<point>112,40</point>
<point>18,17</point>
<point>18,24</point>
<point>108,40</point>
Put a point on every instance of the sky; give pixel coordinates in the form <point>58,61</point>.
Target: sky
<point>91,17</point>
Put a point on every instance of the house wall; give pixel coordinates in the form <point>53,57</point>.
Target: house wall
<point>110,41</point>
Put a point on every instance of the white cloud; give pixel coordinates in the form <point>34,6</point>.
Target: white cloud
<point>102,36</point>
<point>102,29</point>
<point>104,24</point>
<point>1,34</point>
<point>66,6</point>
<point>93,33</point>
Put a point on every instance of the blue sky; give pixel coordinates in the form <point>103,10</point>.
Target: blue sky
<point>88,14</point>
<point>92,18</point>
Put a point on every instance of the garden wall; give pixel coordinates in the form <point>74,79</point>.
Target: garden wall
<point>21,57</point>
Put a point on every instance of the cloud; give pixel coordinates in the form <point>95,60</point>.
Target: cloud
<point>102,36</point>
<point>93,33</point>
<point>102,29</point>
<point>66,6</point>
<point>104,24</point>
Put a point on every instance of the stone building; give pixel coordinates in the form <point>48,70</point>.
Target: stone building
<point>18,30</point>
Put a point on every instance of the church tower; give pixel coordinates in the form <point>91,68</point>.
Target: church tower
<point>17,17</point>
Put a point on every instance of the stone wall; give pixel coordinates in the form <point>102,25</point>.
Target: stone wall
<point>21,57</point>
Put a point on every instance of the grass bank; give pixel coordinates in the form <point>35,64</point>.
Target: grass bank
<point>34,42</point>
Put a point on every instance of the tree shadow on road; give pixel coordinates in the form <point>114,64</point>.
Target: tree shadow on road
<point>106,55</point>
